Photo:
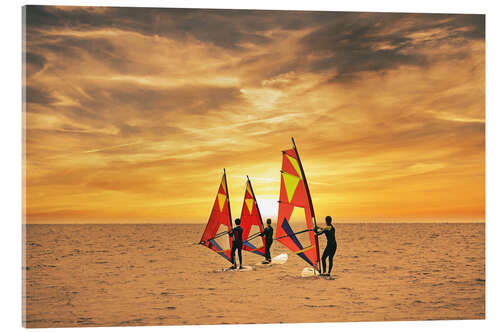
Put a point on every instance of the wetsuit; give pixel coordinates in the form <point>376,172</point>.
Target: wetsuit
<point>330,249</point>
<point>268,241</point>
<point>237,235</point>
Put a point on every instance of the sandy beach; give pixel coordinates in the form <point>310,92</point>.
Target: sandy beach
<point>127,275</point>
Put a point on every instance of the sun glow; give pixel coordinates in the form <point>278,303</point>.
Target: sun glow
<point>268,209</point>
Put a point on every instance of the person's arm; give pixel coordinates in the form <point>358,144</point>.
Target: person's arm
<point>319,231</point>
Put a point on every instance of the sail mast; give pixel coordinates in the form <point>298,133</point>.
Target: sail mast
<point>228,204</point>
<point>310,204</point>
<point>256,204</point>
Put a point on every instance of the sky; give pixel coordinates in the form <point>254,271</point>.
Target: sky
<point>131,114</point>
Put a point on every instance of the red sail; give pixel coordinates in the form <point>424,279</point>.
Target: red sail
<point>250,216</point>
<point>219,222</point>
<point>294,193</point>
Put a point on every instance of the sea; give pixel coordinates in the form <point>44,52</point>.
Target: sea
<point>87,275</point>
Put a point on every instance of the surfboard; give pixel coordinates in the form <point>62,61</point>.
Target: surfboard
<point>278,260</point>
<point>243,269</point>
<point>309,272</point>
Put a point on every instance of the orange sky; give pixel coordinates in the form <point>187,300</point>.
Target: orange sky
<point>131,114</point>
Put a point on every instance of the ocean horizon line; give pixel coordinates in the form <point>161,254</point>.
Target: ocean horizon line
<point>203,223</point>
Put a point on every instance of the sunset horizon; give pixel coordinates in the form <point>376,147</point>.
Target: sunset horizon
<point>131,114</point>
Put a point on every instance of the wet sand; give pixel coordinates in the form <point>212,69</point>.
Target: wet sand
<point>128,275</point>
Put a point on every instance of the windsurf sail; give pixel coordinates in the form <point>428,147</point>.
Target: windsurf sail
<point>294,193</point>
<point>217,230</point>
<point>251,222</point>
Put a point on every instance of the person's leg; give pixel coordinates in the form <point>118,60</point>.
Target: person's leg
<point>323,259</point>
<point>330,258</point>
<point>239,255</point>
<point>268,251</point>
<point>330,263</point>
<point>233,260</point>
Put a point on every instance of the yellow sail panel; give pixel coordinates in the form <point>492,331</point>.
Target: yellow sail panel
<point>249,203</point>
<point>222,199</point>
<point>295,164</point>
<point>291,183</point>
<point>249,190</point>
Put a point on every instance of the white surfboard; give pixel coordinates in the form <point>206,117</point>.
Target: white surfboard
<point>243,269</point>
<point>309,272</point>
<point>278,260</point>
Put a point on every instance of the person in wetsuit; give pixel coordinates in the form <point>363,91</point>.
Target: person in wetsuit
<point>331,245</point>
<point>268,241</point>
<point>237,236</point>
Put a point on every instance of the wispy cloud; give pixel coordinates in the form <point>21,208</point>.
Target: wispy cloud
<point>111,147</point>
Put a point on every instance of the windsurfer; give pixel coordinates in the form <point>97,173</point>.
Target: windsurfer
<point>331,244</point>
<point>237,235</point>
<point>268,237</point>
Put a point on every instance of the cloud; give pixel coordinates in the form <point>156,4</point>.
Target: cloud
<point>354,43</point>
<point>37,95</point>
<point>133,112</point>
<point>34,63</point>
<point>156,101</point>
<point>205,25</point>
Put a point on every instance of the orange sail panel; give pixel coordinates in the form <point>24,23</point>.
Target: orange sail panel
<point>219,222</point>
<point>250,217</point>
<point>294,193</point>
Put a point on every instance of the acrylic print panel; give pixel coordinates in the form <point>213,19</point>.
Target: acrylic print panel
<point>131,114</point>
